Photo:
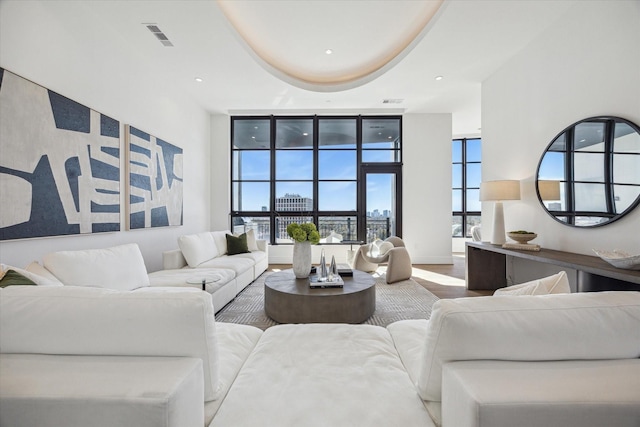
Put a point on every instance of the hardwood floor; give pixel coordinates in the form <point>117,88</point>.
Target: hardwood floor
<point>443,280</point>
<point>446,280</point>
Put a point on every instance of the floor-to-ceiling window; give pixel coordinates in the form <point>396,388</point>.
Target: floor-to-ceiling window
<point>466,177</point>
<point>342,173</point>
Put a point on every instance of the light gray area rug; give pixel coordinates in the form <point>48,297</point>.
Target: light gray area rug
<point>398,301</point>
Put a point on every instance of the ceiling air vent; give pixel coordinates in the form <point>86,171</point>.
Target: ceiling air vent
<point>159,34</point>
<point>392,101</point>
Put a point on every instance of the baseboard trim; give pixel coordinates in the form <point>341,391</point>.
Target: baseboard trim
<point>280,260</point>
<point>432,260</point>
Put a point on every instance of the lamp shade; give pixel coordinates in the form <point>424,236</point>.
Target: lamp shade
<point>499,190</point>
<point>549,190</point>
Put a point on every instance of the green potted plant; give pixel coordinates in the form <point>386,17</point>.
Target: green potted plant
<point>303,235</point>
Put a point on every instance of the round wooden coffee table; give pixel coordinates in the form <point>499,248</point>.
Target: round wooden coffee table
<point>291,300</point>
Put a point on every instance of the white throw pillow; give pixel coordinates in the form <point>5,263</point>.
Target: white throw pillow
<point>379,248</point>
<point>36,278</point>
<point>385,247</point>
<point>556,284</point>
<point>220,237</point>
<point>120,267</point>
<point>251,240</point>
<point>198,248</point>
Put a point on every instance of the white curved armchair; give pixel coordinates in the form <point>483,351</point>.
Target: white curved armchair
<point>391,251</point>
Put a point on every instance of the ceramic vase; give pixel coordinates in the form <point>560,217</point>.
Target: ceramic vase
<point>301,259</point>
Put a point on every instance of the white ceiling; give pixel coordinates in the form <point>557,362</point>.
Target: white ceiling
<point>361,49</point>
<point>467,42</point>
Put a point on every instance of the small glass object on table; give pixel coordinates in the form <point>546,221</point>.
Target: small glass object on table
<point>203,280</point>
<point>326,277</point>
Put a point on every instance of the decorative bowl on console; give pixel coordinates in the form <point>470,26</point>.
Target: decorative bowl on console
<point>619,259</point>
<point>522,236</point>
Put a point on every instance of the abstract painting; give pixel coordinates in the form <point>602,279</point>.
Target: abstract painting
<point>59,164</point>
<point>154,181</point>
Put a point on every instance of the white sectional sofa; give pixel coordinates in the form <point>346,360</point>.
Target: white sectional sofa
<point>85,356</point>
<point>123,268</point>
<point>205,255</point>
<point>552,360</point>
<point>88,356</point>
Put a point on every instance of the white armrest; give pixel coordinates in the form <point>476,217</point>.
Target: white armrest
<point>262,245</point>
<point>173,260</point>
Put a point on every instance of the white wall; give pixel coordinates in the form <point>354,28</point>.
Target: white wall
<point>427,187</point>
<point>102,73</point>
<point>587,64</point>
<point>220,171</point>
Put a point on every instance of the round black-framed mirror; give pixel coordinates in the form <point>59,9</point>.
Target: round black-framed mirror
<point>589,175</point>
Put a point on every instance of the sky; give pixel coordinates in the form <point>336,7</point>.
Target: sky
<point>474,174</point>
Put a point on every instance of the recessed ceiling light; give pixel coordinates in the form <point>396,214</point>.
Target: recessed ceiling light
<point>305,134</point>
<point>328,51</point>
<point>198,79</point>
<point>438,78</point>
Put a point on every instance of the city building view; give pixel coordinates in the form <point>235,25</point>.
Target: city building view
<point>332,229</point>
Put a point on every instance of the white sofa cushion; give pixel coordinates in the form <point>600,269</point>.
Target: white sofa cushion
<point>119,267</point>
<point>323,375</point>
<point>220,283</point>
<point>584,326</point>
<point>100,391</point>
<point>556,284</point>
<point>237,263</point>
<point>408,338</point>
<point>235,343</point>
<point>36,278</point>
<point>91,321</point>
<point>256,256</point>
<point>198,248</point>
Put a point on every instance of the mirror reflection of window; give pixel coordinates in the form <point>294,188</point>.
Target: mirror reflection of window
<point>626,139</point>
<point>590,197</point>
<point>597,163</point>
<point>589,137</point>
<point>624,196</point>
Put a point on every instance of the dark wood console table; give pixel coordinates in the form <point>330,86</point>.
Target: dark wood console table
<point>487,265</point>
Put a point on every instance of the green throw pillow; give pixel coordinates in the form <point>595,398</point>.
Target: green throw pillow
<point>237,244</point>
<point>14,278</point>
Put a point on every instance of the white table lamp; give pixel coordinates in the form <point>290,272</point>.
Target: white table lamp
<point>497,191</point>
